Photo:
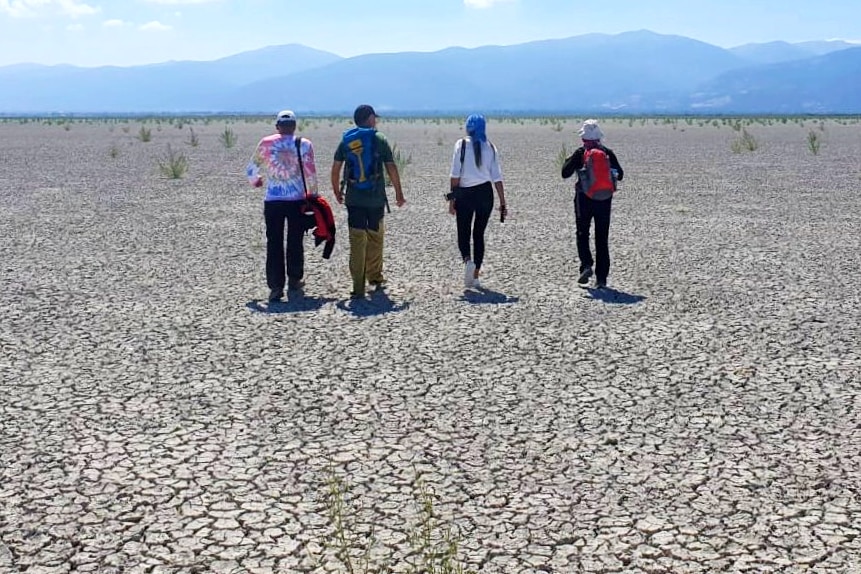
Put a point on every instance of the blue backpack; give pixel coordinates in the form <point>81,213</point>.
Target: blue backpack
<point>361,170</point>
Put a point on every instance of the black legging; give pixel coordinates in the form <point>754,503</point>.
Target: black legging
<point>477,202</point>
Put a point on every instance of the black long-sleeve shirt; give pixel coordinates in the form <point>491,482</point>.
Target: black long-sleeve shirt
<point>575,162</point>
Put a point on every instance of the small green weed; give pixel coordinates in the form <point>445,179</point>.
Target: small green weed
<point>814,142</point>
<point>228,138</point>
<point>561,156</point>
<point>174,165</point>
<point>745,142</point>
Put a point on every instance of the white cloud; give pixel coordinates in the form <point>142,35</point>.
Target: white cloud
<point>75,27</point>
<point>114,23</point>
<point>483,3</point>
<point>31,8</point>
<point>155,26</point>
<point>74,8</point>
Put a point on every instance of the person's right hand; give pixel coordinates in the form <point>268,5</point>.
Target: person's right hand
<point>451,208</point>
<point>339,197</point>
<point>258,182</point>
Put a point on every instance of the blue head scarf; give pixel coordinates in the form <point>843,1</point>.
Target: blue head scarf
<point>475,126</point>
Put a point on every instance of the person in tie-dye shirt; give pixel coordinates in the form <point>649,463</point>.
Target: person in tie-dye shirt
<point>276,165</point>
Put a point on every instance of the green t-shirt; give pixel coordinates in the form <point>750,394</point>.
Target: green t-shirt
<point>375,197</point>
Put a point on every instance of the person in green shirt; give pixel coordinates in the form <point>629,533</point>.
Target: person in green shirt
<point>366,152</point>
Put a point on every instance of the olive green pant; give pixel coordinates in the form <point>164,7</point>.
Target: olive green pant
<point>366,246</point>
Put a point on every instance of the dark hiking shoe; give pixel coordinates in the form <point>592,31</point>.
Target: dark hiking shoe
<point>601,284</point>
<point>378,284</point>
<point>295,284</point>
<point>354,296</point>
<point>275,295</point>
<point>584,276</point>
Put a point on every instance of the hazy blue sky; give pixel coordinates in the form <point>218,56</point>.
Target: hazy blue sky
<point>124,32</point>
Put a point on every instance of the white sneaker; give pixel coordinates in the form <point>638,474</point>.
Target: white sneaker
<point>469,274</point>
<point>476,284</point>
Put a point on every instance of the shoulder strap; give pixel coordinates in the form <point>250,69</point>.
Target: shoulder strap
<point>462,154</point>
<point>298,141</point>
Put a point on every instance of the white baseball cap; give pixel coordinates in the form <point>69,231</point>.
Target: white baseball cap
<point>285,116</point>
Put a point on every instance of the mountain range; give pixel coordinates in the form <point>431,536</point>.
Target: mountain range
<point>633,72</point>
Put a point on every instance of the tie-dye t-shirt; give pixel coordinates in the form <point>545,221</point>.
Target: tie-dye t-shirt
<point>276,162</point>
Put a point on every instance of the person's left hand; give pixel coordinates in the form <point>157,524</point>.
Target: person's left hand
<point>399,200</point>
<point>258,182</point>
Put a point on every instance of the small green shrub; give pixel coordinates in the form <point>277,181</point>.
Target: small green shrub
<point>145,134</point>
<point>814,142</point>
<point>745,142</point>
<point>228,138</point>
<point>114,151</point>
<point>174,165</point>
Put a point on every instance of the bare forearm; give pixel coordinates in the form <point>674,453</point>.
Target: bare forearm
<point>395,178</point>
<point>336,177</point>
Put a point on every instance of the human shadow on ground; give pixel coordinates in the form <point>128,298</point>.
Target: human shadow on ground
<point>296,302</point>
<point>483,296</point>
<point>378,302</point>
<point>614,296</point>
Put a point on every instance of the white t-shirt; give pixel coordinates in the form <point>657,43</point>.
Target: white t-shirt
<point>473,175</point>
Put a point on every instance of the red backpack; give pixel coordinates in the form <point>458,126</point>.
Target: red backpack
<point>596,177</point>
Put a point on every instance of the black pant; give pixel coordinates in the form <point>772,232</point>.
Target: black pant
<point>364,217</point>
<point>275,213</point>
<point>587,209</point>
<point>473,212</point>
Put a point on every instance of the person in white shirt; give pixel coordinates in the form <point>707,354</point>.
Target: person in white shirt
<point>475,172</point>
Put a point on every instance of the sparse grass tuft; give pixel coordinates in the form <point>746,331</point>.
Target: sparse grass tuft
<point>745,142</point>
<point>352,542</point>
<point>814,142</point>
<point>228,138</point>
<point>436,545</point>
<point>563,154</point>
<point>114,151</point>
<point>174,165</point>
<point>401,160</point>
<point>145,134</point>
<point>193,140</point>
<point>346,543</point>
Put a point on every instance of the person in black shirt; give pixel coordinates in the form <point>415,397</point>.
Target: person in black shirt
<point>592,206</point>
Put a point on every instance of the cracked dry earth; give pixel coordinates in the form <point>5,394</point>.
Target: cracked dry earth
<point>156,415</point>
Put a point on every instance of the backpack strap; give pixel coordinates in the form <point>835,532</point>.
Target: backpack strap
<point>462,155</point>
<point>298,141</point>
